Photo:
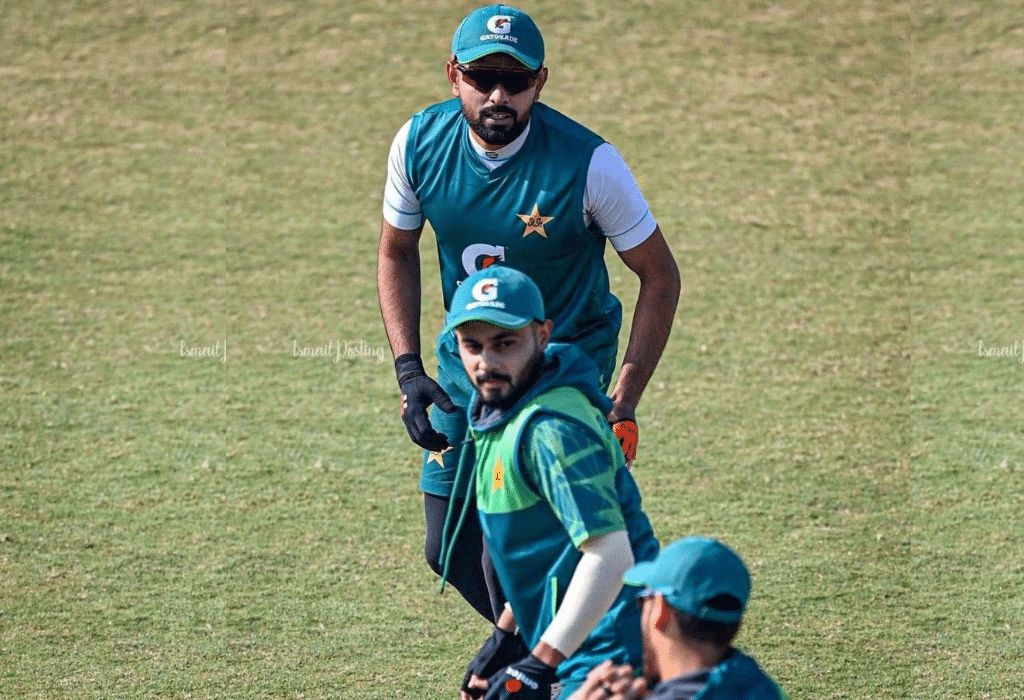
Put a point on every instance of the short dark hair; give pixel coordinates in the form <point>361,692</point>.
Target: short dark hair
<point>720,633</point>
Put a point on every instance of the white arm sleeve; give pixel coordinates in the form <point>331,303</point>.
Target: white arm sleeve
<point>592,590</point>
<point>613,200</point>
<point>401,206</point>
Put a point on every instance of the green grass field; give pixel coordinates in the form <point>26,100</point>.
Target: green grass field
<point>840,183</point>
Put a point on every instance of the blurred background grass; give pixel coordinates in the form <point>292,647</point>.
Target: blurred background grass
<point>839,183</point>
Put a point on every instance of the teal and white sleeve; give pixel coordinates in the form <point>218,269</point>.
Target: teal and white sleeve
<point>612,199</point>
<point>569,466</point>
<point>401,207</point>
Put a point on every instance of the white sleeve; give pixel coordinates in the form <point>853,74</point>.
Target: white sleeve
<point>401,207</point>
<point>594,587</point>
<point>613,200</point>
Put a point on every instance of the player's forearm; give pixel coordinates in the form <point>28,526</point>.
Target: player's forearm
<point>648,335</point>
<point>507,620</point>
<point>398,289</point>
<point>595,585</point>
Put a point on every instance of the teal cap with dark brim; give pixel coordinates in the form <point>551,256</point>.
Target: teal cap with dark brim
<point>698,576</point>
<point>499,29</point>
<point>502,296</point>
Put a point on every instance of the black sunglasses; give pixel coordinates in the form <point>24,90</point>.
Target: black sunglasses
<point>485,79</point>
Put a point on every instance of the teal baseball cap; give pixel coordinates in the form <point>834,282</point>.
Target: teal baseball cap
<point>499,28</point>
<point>698,576</point>
<point>497,294</point>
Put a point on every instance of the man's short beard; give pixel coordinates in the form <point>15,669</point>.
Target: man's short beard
<point>500,403</point>
<point>496,135</point>
<point>503,403</point>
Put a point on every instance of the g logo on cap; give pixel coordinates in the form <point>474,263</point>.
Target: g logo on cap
<point>500,24</point>
<point>486,289</point>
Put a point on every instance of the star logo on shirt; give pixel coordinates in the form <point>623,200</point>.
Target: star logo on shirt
<point>438,457</point>
<point>499,475</point>
<point>535,222</point>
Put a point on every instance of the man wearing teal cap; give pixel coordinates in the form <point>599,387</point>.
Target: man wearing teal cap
<point>503,178</point>
<point>695,593</point>
<point>559,510</point>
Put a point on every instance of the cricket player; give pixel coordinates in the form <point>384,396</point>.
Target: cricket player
<point>559,509</point>
<point>692,604</point>
<point>504,178</point>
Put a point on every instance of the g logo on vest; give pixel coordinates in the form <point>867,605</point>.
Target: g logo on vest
<point>480,256</point>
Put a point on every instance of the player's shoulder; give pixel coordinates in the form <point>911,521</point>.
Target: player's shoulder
<point>566,127</point>
<point>766,689</point>
<point>434,125</point>
<point>443,110</point>
<point>437,115</point>
<point>555,417</point>
<point>742,677</point>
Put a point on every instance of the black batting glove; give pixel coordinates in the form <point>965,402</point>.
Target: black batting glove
<point>529,679</point>
<point>501,649</point>
<point>418,392</point>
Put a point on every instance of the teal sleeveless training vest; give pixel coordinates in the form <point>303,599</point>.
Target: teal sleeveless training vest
<point>535,552</point>
<point>527,213</point>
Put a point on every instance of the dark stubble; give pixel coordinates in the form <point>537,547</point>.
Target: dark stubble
<point>497,135</point>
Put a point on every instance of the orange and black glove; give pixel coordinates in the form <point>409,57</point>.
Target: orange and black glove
<point>628,435</point>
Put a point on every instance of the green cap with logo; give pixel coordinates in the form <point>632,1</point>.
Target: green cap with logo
<point>499,28</point>
<point>699,576</point>
<point>499,295</point>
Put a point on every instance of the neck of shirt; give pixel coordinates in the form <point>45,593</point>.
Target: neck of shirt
<point>492,159</point>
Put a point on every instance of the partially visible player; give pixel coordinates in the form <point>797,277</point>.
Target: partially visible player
<point>695,593</point>
<point>558,507</point>
<point>503,178</point>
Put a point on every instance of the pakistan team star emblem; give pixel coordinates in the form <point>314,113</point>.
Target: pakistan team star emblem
<point>498,477</point>
<point>438,457</point>
<point>535,222</point>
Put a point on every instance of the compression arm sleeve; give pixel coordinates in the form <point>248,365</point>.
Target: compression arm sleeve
<point>593,588</point>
